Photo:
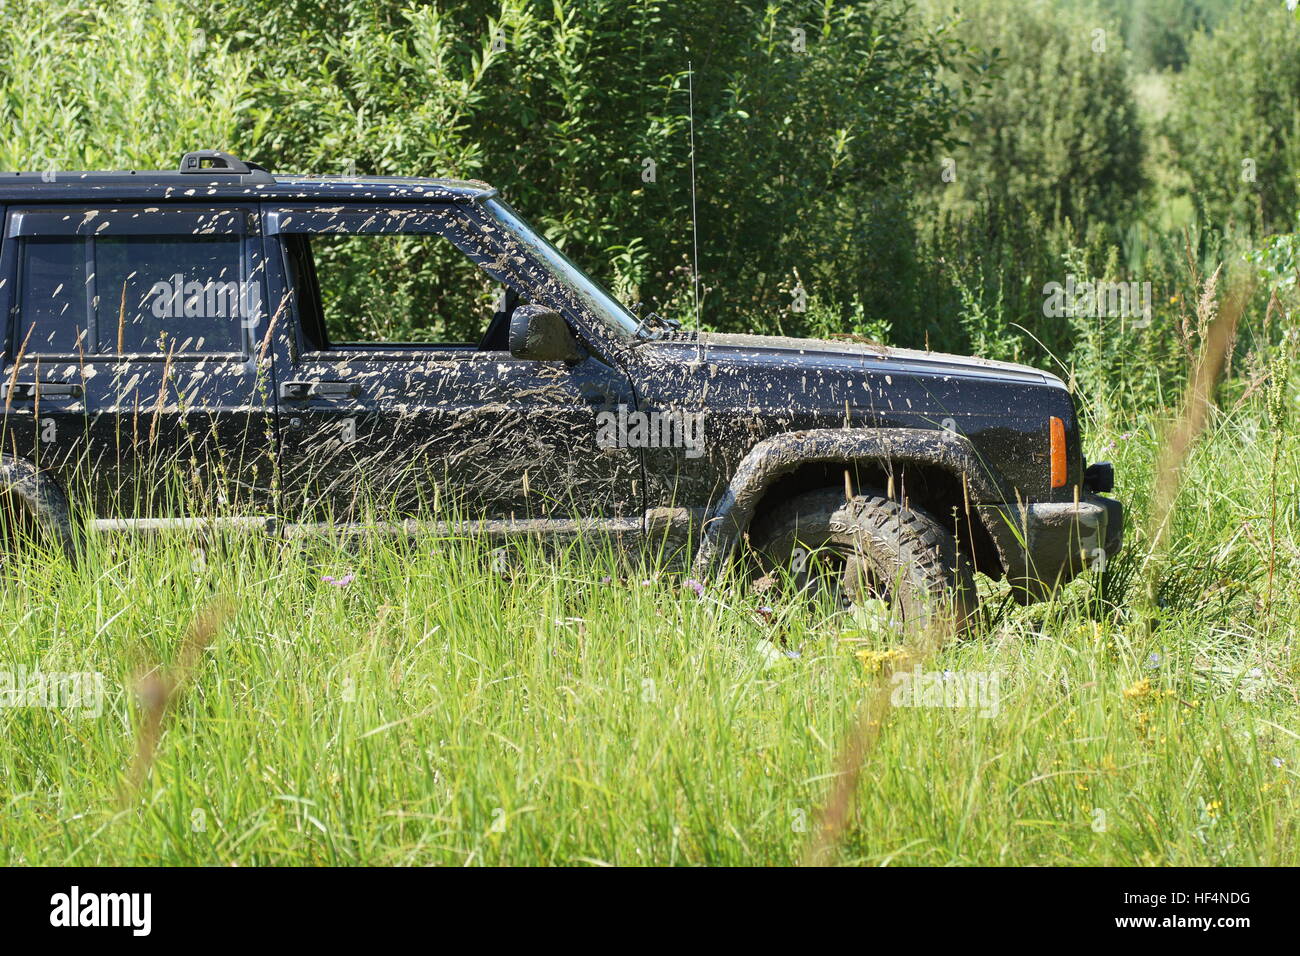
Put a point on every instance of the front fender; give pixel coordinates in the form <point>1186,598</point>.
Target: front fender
<point>780,455</point>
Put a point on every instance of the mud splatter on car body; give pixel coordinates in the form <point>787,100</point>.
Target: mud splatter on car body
<point>570,415</point>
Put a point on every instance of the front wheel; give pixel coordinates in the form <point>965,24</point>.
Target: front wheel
<point>870,547</point>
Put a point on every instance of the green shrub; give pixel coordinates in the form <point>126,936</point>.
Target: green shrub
<point>131,84</point>
<point>565,107</point>
<point>1058,132</point>
<point>1236,122</point>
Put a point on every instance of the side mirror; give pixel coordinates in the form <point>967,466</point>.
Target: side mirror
<point>542,335</point>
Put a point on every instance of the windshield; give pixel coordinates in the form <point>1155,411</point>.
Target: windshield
<point>584,289</point>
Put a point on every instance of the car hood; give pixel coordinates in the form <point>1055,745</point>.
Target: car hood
<point>752,387</point>
<point>717,347</point>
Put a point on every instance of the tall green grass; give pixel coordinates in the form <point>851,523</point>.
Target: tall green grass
<point>448,706</point>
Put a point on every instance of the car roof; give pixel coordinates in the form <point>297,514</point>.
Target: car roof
<point>97,187</point>
<point>248,183</point>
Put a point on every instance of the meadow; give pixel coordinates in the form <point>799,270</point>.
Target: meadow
<point>439,701</point>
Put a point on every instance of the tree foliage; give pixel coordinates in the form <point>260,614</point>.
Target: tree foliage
<point>806,114</point>
<point>1060,132</point>
<point>1236,125</point>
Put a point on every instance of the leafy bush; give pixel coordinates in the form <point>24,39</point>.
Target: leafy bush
<point>1158,32</point>
<point>804,114</point>
<point>1059,132</point>
<point>125,85</point>
<point>1236,126</point>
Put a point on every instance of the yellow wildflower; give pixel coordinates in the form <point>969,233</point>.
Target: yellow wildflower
<point>1138,690</point>
<point>876,661</point>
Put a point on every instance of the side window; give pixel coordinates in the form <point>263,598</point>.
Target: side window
<point>53,313</point>
<point>174,293</point>
<point>133,294</point>
<point>392,284</point>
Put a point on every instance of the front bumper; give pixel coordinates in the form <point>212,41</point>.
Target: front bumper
<point>1044,545</point>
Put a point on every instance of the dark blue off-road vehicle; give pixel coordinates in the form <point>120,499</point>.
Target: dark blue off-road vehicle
<point>199,324</point>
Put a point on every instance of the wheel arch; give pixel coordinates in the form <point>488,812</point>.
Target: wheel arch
<point>40,497</point>
<point>937,471</point>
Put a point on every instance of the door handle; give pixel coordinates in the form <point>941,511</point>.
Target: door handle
<point>335,390</point>
<point>30,391</point>
<point>301,391</point>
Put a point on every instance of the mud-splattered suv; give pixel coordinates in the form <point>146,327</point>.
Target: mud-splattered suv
<point>201,323</point>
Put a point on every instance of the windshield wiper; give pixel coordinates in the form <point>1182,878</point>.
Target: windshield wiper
<point>652,320</point>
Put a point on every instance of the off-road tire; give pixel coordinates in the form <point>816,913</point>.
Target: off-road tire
<point>910,560</point>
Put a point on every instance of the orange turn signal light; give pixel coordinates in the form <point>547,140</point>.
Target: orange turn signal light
<point>1057,428</point>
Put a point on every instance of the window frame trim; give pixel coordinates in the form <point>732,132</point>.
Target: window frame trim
<point>278,226</point>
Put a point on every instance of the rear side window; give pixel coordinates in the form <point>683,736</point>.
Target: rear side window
<point>168,294</point>
<point>54,297</point>
<point>112,294</point>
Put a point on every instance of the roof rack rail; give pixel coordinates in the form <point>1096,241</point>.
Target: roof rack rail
<point>215,162</point>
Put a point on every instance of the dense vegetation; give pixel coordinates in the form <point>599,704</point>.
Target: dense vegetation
<point>921,174</point>
<point>918,173</point>
<point>443,706</point>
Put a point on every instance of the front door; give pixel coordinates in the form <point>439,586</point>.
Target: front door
<point>397,395</point>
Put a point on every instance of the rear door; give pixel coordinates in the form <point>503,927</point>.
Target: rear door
<point>129,356</point>
<point>396,390</point>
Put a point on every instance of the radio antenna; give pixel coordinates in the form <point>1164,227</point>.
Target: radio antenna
<point>695,230</point>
